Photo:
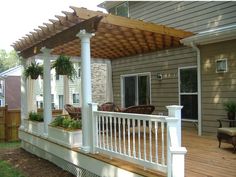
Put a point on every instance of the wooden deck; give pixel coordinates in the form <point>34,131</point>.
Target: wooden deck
<point>203,159</point>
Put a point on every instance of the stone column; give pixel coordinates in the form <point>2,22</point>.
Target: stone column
<point>86,87</point>
<point>47,107</point>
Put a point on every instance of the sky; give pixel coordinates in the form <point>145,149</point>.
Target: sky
<point>19,17</point>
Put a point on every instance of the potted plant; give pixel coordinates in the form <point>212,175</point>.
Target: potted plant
<point>33,71</point>
<point>64,66</point>
<point>66,131</point>
<point>230,107</point>
<point>35,123</point>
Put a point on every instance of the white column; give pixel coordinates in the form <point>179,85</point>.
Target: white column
<point>65,92</point>
<point>24,104</point>
<point>86,86</point>
<point>109,88</point>
<point>175,111</point>
<point>47,107</point>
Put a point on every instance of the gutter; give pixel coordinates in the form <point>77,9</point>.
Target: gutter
<point>193,45</point>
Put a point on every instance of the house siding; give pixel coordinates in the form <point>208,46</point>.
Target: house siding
<point>188,15</point>
<point>166,62</point>
<point>217,87</point>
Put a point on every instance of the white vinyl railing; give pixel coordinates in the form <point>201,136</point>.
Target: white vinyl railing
<point>149,140</point>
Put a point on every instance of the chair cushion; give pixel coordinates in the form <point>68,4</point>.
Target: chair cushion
<point>231,131</point>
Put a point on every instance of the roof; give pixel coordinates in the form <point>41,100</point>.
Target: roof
<point>212,36</point>
<point>115,36</point>
<point>15,71</point>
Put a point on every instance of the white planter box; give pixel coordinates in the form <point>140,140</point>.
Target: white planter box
<point>34,127</point>
<point>66,138</point>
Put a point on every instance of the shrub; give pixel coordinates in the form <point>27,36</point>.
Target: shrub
<point>66,123</point>
<point>34,116</point>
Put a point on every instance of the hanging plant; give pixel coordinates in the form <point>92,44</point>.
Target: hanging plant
<point>33,71</point>
<point>64,66</point>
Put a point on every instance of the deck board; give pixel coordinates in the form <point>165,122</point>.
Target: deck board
<point>203,158</point>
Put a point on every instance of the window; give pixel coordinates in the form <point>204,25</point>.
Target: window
<point>57,76</point>
<point>52,100</point>
<point>120,10</point>
<point>1,102</point>
<point>75,98</point>
<point>221,66</point>
<point>61,101</point>
<point>188,92</point>
<point>136,90</point>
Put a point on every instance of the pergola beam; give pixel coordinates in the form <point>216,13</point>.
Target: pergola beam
<point>63,37</point>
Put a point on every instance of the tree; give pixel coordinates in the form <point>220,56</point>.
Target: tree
<point>8,59</point>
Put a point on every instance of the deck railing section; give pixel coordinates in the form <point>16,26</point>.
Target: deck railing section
<point>148,140</point>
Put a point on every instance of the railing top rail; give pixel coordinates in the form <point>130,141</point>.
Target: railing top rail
<point>136,116</point>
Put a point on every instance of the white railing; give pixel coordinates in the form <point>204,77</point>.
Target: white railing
<point>149,140</point>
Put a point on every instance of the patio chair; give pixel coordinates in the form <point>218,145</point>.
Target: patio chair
<point>141,109</point>
<point>227,134</point>
<point>74,112</point>
<point>109,106</point>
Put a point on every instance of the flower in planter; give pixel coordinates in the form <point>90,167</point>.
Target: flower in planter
<point>33,71</point>
<point>34,116</point>
<point>66,123</point>
<point>64,66</point>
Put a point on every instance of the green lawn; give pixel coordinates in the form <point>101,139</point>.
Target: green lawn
<point>11,145</point>
<point>6,170</point>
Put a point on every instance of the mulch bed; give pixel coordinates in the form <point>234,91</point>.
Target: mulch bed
<point>31,165</point>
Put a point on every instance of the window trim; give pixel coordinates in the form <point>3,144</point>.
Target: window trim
<point>135,74</point>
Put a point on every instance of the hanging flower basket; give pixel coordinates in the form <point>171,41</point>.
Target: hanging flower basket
<point>64,66</point>
<point>33,71</point>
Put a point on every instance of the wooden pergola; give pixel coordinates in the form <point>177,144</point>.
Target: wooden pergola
<point>115,36</point>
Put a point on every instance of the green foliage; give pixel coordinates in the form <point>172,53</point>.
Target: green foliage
<point>8,60</point>
<point>7,170</point>
<point>66,123</point>
<point>230,106</point>
<point>64,66</point>
<point>10,145</point>
<point>33,70</point>
<point>34,116</point>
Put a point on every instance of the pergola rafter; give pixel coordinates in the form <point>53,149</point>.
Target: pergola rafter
<point>115,36</point>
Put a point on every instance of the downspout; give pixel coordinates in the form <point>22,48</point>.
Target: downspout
<point>193,45</point>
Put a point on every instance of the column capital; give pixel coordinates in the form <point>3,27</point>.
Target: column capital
<point>84,34</point>
<point>46,51</point>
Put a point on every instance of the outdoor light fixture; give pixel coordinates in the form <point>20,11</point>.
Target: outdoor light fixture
<point>159,76</point>
<point>221,66</point>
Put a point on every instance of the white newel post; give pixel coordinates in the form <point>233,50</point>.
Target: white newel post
<point>86,87</point>
<point>47,107</point>
<point>93,107</point>
<point>175,111</point>
<point>24,104</point>
<point>175,153</point>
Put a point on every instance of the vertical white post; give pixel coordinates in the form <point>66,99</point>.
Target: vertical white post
<point>47,107</point>
<point>175,111</point>
<point>109,89</point>
<point>66,92</point>
<point>24,104</point>
<point>86,86</point>
<point>93,126</point>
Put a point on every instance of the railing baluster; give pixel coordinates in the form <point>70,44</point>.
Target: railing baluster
<point>115,128</point>
<point>107,131</point>
<point>96,131</point>
<point>103,132</point>
<point>119,135</point>
<point>134,147</point>
<point>144,140</point>
<point>124,145</point>
<point>111,138</point>
<point>162,143</point>
<point>139,148</point>
<point>150,140</point>
<point>156,140</point>
<point>128,124</point>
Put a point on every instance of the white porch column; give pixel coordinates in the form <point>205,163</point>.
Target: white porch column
<point>65,92</point>
<point>47,107</point>
<point>109,88</point>
<point>86,87</point>
<point>175,111</point>
<point>24,104</point>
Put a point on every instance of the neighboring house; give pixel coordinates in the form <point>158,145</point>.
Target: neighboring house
<point>200,77</point>
<point>10,88</point>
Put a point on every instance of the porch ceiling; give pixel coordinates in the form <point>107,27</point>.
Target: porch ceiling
<point>115,36</point>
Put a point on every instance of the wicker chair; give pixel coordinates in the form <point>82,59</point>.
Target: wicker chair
<point>227,134</point>
<point>109,106</point>
<point>74,112</point>
<point>141,109</point>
